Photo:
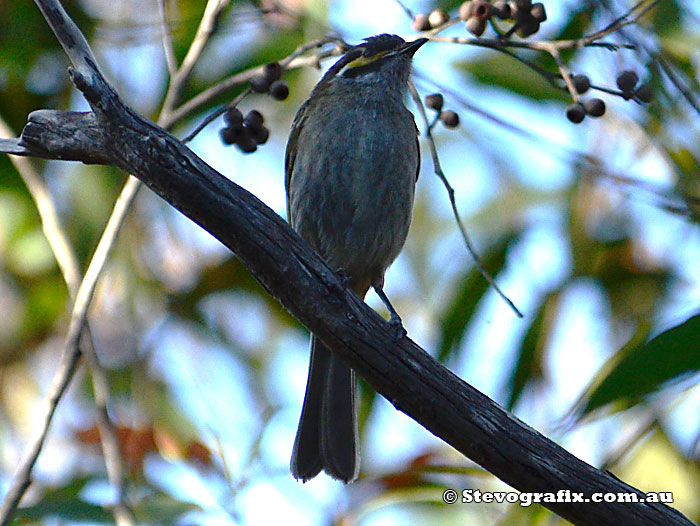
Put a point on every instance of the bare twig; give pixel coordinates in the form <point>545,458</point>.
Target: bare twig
<point>293,61</point>
<point>406,9</point>
<point>675,79</point>
<point>612,458</point>
<point>206,29</point>
<point>168,49</point>
<point>451,194</point>
<point>56,237</point>
<point>23,477</point>
<point>71,353</point>
<point>564,73</point>
<point>84,61</point>
<point>68,264</point>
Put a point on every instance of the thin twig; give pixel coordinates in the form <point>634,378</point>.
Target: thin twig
<point>54,233</point>
<point>672,75</point>
<point>206,29</point>
<point>293,61</point>
<point>23,477</point>
<point>68,264</point>
<point>168,49</point>
<point>406,9</point>
<point>612,458</point>
<point>80,54</point>
<point>478,110</point>
<point>451,194</point>
<point>554,52</point>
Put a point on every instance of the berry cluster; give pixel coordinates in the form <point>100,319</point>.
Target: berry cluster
<point>577,111</point>
<point>249,131</point>
<point>269,82</point>
<point>246,133</point>
<point>449,118</point>
<point>627,83</point>
<point>526,15</point>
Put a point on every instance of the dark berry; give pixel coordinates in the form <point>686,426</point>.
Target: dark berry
<point>438,17</point>
<point>230,134</point>
<point>501,9</point>
<point>581,83</point>
<point>594,107</point>
<point>272,71</point>
<point>627,80</point>
<point>482,9</point>
<point>233,116</point>
<point>434,101</point>
<point>476,26</point>
<point>538,12</point>
<point>528,27</point>
<point>450,119</point>
<point>575,112</point>
<point>520,9</point>
<point>421,23</point>
<point>279,90</point>
<point>260,84</point>
<point>254,119</point>
<point>246,143</point>
<point>644,93</point>
<point>260,135</point>
<point>466,10</point>
<point>514,11</point>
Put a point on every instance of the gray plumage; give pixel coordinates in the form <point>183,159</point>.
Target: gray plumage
<point>351,167</point>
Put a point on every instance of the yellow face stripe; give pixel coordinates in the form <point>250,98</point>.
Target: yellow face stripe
<point>363,61</point>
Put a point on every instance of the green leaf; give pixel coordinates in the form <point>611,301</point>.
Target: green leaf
<point>161,508</point>
<point>502,71</point>
<point>666,17</point>
<point>223,276</point>
<point>528,366</point>
<point>640,369</point>
<point>470,289</point>
<point>64,503</point>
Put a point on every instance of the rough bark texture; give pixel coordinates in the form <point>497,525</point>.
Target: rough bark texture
<point>291,272</point>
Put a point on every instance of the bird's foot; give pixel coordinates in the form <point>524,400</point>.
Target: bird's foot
<point>397,328</point>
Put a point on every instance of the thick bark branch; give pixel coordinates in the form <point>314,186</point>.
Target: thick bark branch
<point>290,271</point>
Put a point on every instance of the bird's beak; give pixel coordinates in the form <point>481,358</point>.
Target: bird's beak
<point>411,47</point>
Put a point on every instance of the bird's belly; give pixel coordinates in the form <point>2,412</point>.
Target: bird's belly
<point>357,212</point>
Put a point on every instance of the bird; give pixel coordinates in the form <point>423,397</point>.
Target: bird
<point>351,165</point>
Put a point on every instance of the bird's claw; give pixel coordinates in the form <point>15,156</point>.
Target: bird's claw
<point>397,328</point>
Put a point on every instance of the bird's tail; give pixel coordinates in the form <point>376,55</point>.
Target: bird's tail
<point>327,436</point>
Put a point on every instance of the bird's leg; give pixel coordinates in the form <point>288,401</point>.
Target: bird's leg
<point>395,319</point>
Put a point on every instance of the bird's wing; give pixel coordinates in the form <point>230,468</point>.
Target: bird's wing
<point>290,154</point>
<point>418,151</point>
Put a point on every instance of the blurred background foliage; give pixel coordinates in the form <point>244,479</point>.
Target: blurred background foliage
<point>591,230</point>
